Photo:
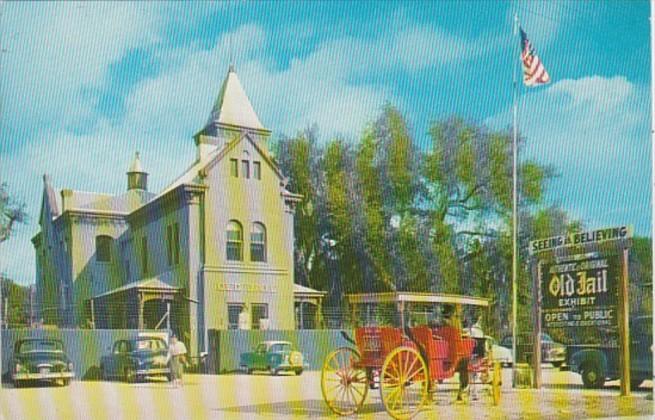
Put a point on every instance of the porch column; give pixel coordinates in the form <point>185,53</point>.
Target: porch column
<point>319,313</point>
<point>93,315</point>
<point>168,315</point>
<point>140,298</point>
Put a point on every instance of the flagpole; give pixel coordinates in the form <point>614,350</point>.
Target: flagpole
<point>514,207</point>
<point>652,139</point>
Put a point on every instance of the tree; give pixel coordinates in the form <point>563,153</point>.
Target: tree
<point>18,299</point>
<point>468,177</point>
<point>298,158</point>
<point>11,212</point>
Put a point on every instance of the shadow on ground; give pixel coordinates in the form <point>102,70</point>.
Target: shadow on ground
<point>308,408</point>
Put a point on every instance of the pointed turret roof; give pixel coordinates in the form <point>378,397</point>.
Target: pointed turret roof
<point>49,197</point>
<point>136,167</point>
<point>233,107</point>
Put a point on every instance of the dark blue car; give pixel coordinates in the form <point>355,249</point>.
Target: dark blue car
<point>134,360</point>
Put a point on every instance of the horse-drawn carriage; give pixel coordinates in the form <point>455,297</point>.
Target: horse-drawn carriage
<point>406,363</point>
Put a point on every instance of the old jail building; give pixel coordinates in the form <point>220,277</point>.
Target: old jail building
<point>215,243</point>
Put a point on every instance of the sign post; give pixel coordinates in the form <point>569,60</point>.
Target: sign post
<point>624,327</point>
<point>536,342</point>
<point>582,283</point>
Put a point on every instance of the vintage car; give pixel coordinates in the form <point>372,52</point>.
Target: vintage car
<point>500,353</point>
<point>273,356</point>
<point>551,351</point>
<point>40,359</point>
<point>134,360</point>
<point>598,363</point>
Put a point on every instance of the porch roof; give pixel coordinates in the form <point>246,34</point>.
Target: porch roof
<point>146,285</point>
<point>302,291</point>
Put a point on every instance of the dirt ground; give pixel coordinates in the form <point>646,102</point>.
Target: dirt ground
<point>261,396</point>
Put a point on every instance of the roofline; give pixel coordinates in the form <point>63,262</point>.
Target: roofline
<point>231,145</point>
<point>157,199</point>
<point>235,127</point>
<point>415,297</point>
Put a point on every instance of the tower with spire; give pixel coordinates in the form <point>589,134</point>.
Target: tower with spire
<point>231,115</point>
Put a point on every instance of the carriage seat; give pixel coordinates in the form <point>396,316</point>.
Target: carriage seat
<point>458,347</point>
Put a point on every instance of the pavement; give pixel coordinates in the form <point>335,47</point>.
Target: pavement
<point>240,396</point>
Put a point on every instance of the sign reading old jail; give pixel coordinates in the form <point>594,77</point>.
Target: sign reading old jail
<point>580,292</point>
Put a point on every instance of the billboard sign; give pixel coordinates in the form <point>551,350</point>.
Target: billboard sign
<point>581,291</point>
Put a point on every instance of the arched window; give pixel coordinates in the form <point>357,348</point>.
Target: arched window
<point>103,248</point>
<point>234,241</point>
<point>258,242</point>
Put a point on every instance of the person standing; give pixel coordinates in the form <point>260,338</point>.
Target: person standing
<point>452,319</point>
<point>177,359</point>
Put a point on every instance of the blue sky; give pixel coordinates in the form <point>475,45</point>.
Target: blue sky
<point>84,85</point>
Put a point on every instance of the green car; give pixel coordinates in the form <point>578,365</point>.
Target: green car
<point>274,357</point>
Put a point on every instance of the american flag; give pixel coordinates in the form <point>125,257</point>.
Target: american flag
<point>534,72</point>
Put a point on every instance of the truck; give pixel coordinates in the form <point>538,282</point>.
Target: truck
<point>599,363</point>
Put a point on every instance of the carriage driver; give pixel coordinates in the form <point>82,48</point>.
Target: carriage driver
<point>451,318</point>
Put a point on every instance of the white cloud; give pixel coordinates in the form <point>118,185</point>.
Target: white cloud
<point>71,49</point>
<point>594,132</point>
<point>58,51</point>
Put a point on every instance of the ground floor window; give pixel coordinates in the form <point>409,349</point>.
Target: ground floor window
<point>259,312</point>
<point>233,311</point>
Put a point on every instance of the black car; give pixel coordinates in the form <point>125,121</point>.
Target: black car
<point>134,360</point>
<point>39,359</point>
<point>598,363</point>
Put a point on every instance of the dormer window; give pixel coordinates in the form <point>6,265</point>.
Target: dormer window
<point>245,168</point>
<point>234,167</point>
<point>257,170</point>
<point>103,248</point>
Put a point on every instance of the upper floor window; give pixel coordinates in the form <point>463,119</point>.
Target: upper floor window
<point>245,168</point>
<point>144,255</point>
<point>103,248</point>
<point>173,244</point>
<point>234,167</point>
<point>234,241</point>
<point>258,242</point>
<point>257,170</point>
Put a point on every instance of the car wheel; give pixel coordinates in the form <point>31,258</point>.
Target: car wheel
<point>298,372</point>
<point>129,375</point>
<point>557,364</point>
<point>592,377</point>
<point>66,382</point>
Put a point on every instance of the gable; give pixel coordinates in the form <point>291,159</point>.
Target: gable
<point>230,148</point>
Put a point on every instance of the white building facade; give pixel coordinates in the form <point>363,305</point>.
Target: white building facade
<point>215,243</point>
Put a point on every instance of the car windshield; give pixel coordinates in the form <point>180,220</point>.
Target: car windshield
<point>32,346</point>
<point>148,344</point>
<point>280,347</point>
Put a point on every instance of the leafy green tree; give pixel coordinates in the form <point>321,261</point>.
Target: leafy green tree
<point>12,211</point>
<point>18,299</point>
<point>299,157</point>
